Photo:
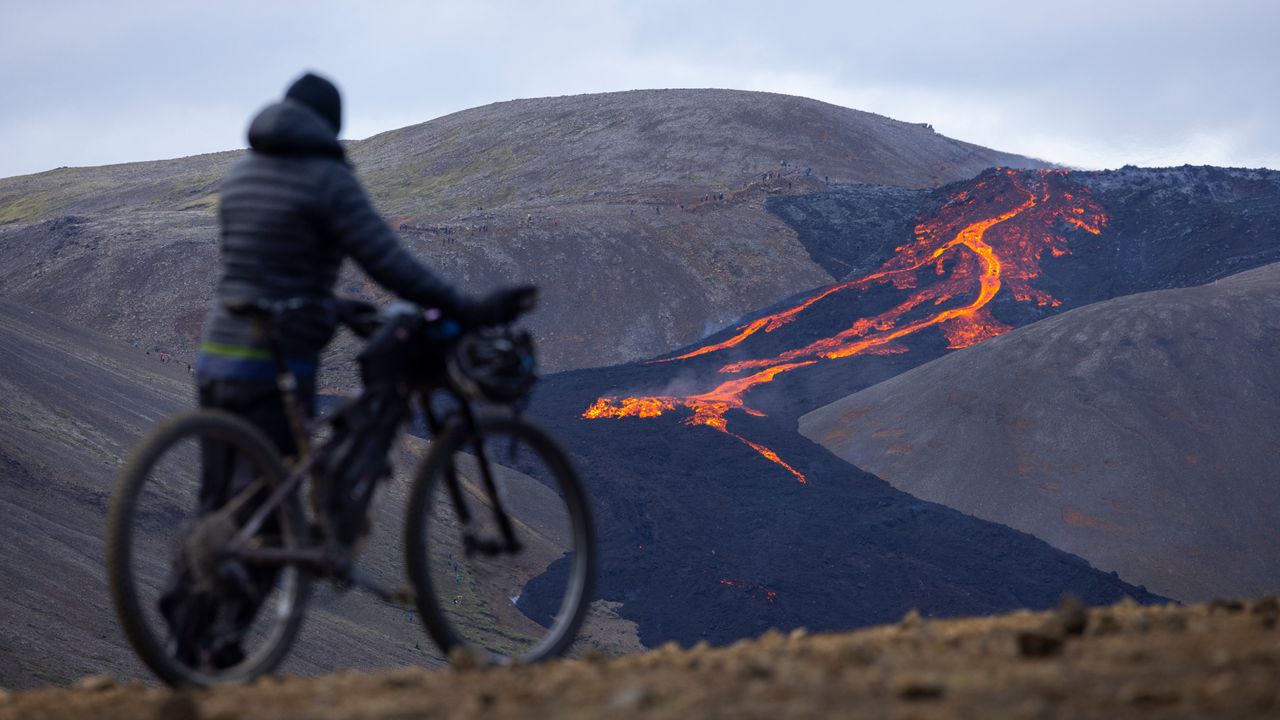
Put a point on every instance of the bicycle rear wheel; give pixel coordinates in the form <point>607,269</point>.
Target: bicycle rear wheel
<point>523,605</point>
<point>158,528</point>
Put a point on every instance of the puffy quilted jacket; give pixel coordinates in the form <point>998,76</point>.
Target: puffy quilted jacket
<point>291,211</point>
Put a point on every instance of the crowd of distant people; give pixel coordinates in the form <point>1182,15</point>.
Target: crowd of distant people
<point>166,358</point>
<point>766,181</point>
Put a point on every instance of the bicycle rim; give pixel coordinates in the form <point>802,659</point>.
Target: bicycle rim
<point>525,605</point>
<point>155,510</point>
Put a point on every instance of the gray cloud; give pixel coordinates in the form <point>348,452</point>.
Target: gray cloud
<point>1094,84</point>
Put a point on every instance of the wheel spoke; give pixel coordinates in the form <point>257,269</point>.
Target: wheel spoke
<point>195,613</point>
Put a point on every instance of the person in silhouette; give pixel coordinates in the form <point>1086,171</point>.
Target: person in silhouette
<point>290,212</point>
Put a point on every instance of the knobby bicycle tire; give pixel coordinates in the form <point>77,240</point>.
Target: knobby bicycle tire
<point>165,438</point>
<point>426,489</point>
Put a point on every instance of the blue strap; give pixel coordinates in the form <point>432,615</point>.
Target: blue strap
<point>222,367</point>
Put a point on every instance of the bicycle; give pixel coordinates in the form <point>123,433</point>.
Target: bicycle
<point>498,539</point>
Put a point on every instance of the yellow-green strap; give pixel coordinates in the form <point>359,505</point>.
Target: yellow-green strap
<point>234,351</point>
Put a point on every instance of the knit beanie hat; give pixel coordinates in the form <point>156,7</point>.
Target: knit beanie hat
<point>320,95</point>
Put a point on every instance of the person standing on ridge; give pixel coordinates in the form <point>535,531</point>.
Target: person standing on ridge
<point>290,212</point>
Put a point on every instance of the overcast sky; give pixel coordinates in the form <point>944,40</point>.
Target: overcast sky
<point>1089,84</point>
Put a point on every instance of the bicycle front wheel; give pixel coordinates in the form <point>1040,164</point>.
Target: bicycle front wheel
<point>170,580</point>
<point>502,602</point>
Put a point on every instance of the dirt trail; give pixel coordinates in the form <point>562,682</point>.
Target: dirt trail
<point>1215,660</point>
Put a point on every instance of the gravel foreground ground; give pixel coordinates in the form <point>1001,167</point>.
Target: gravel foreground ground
<point>1220,659</point>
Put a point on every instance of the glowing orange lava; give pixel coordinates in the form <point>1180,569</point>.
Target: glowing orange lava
<point>769,595</point>
<point>982,241</point>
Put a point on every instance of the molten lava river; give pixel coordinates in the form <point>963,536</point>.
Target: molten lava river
<point>985,240</point>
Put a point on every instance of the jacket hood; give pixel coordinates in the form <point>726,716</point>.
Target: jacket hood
<point>291,128</point>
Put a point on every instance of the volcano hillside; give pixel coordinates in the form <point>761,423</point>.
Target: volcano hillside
<point>602,200</point>
<point>1139,433</point>
<point>694,516</point>
<point>578,194</point>
<point>707,531</point>
<point>703,537</point>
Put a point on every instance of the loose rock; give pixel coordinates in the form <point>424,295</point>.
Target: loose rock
<point>1071,615</point>
<point>1039,644</point>
<point>633,696</point>
<point>911,620</point>
<point>461,658</point>
<point>915,688</point>
<point>1228,606</point>
<point>96,683</point>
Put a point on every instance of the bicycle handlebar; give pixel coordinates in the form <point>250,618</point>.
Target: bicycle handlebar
<point>361,316</point>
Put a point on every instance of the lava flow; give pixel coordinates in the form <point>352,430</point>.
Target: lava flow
<point>770,595</point>
<point>986,239</point>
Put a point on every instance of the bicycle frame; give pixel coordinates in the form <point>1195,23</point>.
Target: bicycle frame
<point>327,560</point>
<point>226,552</point>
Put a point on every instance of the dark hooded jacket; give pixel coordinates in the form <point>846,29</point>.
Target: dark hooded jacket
<point>291,211</point>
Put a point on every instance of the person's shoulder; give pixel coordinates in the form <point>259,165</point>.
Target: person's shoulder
<point>337,184</point>
<point>337,175</point>
<point>258,172</point>
<point>307,163</point>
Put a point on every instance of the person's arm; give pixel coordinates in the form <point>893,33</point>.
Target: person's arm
<point>365,236</point>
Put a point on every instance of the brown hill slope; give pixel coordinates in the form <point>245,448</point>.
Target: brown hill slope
<point>1168,662</point>
<point>72,403</point>
<point>1139,433</point>
<point>577,194</point>
<point>649,141</point>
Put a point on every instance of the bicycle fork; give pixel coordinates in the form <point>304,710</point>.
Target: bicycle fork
<point>507,542</point>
